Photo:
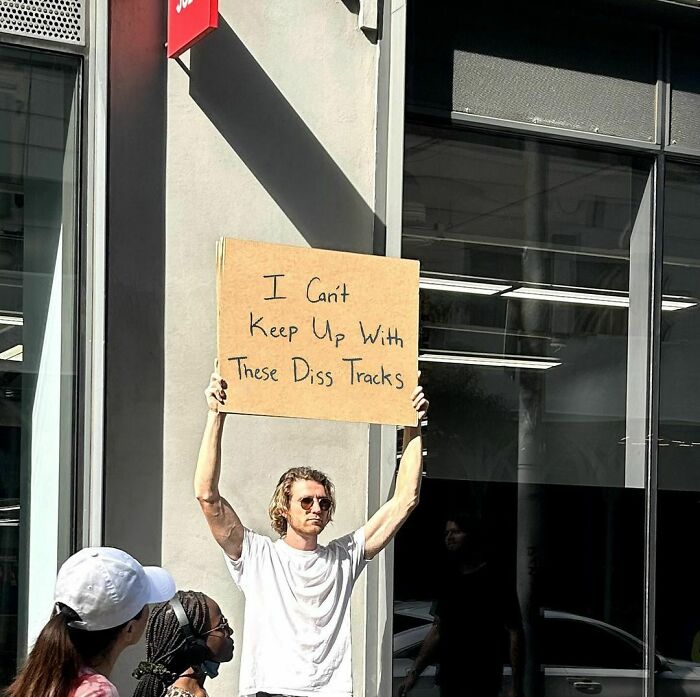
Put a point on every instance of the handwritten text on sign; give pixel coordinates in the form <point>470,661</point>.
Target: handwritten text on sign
<point>317,334</point>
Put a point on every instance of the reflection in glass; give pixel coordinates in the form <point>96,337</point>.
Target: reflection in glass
<point>38,174</point>
<point>678,572</point>
<point>524,252</point>
<point>526,328</point>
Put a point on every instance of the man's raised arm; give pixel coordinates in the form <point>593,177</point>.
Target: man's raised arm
<point>384,524</point>
<point>224,523</point>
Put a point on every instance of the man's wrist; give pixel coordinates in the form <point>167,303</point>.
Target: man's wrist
<point>412,431</point>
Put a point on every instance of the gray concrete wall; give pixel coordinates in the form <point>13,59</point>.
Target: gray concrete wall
<point>271,136</point>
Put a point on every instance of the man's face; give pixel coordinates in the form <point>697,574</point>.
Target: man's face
<point>309,522</point>
<point>455,539</point>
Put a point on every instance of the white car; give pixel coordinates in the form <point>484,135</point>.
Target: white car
<point>580,655</point>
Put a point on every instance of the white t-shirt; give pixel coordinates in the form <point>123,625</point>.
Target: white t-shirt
<point>296,638</point>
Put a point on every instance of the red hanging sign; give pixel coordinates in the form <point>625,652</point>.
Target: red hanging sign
<point>188,22</point>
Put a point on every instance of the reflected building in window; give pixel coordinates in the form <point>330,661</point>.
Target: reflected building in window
<point>557,350</point>
<point>39,120</point>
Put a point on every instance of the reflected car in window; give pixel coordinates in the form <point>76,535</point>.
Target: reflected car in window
<point>580,656</point>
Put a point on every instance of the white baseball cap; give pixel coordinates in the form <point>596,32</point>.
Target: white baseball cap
<point>107,587</point>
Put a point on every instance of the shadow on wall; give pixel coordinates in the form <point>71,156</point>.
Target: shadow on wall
<point>265,131</point>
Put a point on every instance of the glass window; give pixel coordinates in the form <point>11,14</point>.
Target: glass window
<point>575,642</point>
<point>678,572</point>
<point>403,623</point>
<point>524,252</point>
<point>38,213</point>
<point>528,334</point>
<point>410,651</point>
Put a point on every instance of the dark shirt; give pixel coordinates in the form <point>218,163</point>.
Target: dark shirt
<point>475,610</point>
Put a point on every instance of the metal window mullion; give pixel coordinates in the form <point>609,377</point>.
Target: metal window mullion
<point>652,379</point>
<point>663,100</point>
<point>663,110</point>
<point>95,278</point>
<point>553,134</point>
<point>71,428</point>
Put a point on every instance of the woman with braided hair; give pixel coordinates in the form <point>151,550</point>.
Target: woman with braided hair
<point>186,640</point>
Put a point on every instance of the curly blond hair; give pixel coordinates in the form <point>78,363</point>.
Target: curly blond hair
<point>279,505</point>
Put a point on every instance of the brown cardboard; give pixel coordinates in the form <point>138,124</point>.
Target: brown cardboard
<point>285,307</point>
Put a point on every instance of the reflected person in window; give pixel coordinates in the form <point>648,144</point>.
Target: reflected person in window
<point>473,615</point>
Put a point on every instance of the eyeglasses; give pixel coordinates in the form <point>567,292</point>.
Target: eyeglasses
<point>222,625</point>
<point>324,503</point>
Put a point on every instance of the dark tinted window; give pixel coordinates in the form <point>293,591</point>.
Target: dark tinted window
<point>411,651</point>
<point>578,643</point>
<point>677,601</point>
<point>39,137</point>
<point>530,283</point>
<point>403,622</point>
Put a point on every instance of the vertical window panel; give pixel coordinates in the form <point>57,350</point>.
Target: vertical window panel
<point>530,535</point>
<point>677,602</point>
<point>39,111</point>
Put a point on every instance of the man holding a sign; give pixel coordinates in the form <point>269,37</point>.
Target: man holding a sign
<point>296,640</point>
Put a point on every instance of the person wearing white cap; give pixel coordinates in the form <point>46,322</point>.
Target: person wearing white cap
<point>102,596</point>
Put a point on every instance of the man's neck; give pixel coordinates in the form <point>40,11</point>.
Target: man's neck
<point>300,541</point>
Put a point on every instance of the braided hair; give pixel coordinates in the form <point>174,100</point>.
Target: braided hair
<point>167,656</point>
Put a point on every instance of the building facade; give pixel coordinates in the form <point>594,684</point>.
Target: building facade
<point>541,164</point>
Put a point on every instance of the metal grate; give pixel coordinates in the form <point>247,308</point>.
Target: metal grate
<point>62,21</point>
<point>549,95</point>
<point>685,92</point>
<point>543,64</point>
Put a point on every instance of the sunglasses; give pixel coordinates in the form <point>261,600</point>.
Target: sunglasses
<point>307,502</point>
<point>222,625</point>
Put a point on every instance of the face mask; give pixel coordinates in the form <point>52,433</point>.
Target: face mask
<point>210,668</point>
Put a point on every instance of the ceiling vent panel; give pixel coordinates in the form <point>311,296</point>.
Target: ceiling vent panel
<point>61,21</point>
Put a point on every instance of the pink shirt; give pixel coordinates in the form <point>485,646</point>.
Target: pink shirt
<point>91,684</point>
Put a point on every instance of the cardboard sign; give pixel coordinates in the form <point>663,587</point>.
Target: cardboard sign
<point>188,22</point>
<point>317,334</point>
